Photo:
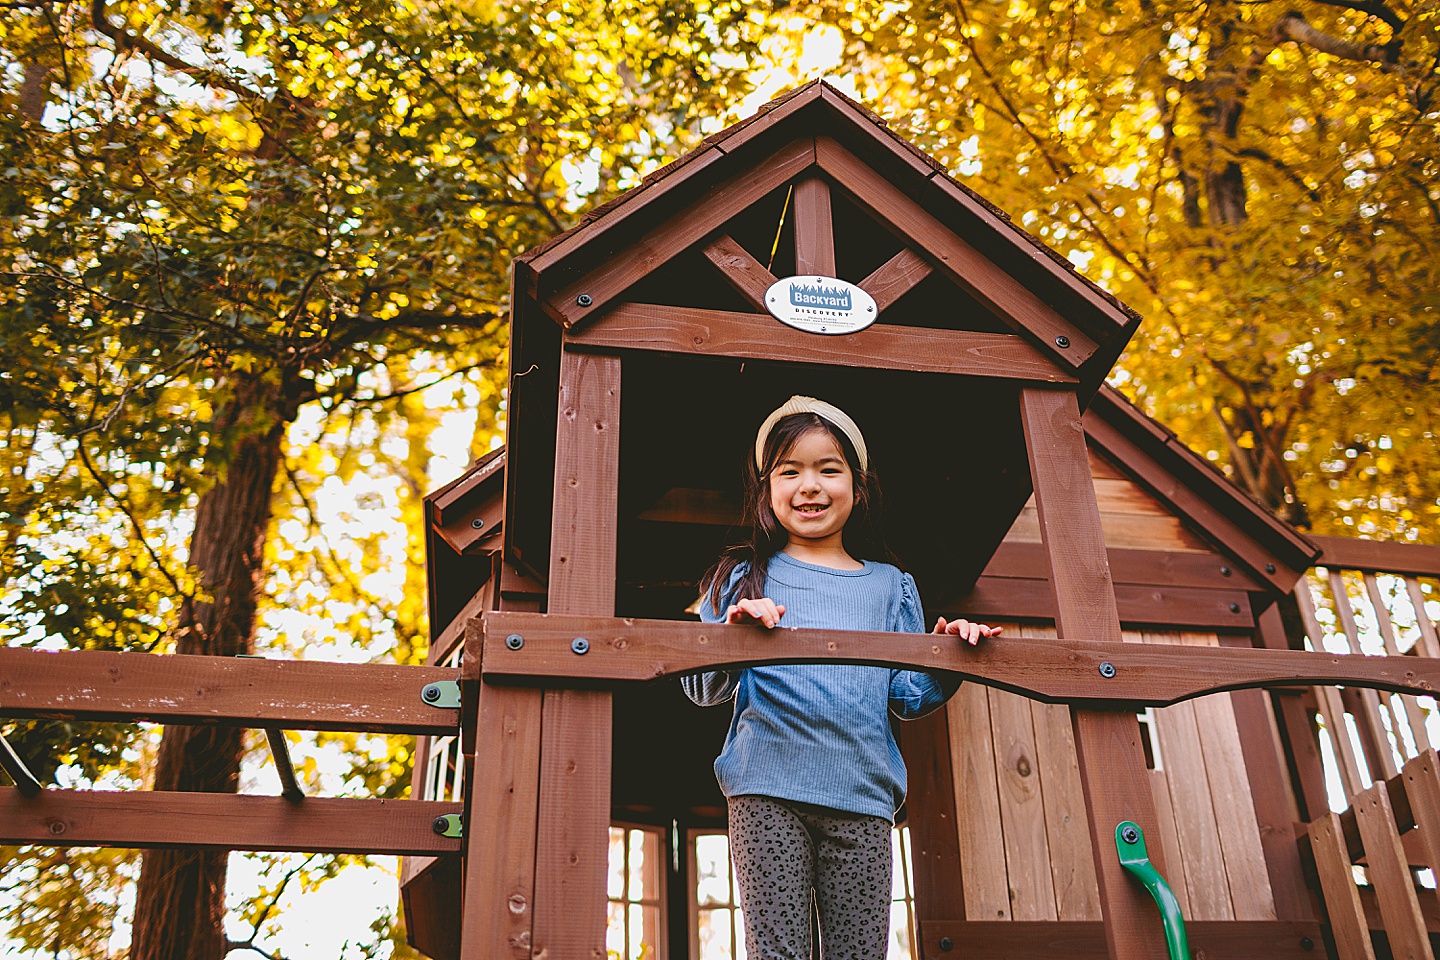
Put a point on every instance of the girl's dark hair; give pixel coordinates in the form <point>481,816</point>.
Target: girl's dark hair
<point>862,535</point>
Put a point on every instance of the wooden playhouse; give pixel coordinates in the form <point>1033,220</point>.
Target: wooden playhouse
<point>1155,682</point>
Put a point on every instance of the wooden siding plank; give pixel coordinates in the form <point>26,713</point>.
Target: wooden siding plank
<point>146,819</point>
<point>743,272</point>
<point>723,333</point>
<point>572,832</point>
<point>1107,743</point>
<point>1245,870</point>
<point>1022,808</point>
<point>999,292</point>
<point>1185,500</point>
<point>977,806</point>
<point>896,277</point>
<point>814,230</point>
<point>1390,876</point>
<point>1169,841</point>
<point>1337,882</point>
<point>234,691</point>
<point>1274,806</point>
<point>930,803</point>
<point>1072,862</point>
<point>676,234</point>
<point>1203,859</point>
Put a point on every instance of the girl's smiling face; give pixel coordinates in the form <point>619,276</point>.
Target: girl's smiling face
<point>812,490</point>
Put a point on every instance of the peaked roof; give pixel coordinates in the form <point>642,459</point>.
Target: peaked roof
<point>819,110</point>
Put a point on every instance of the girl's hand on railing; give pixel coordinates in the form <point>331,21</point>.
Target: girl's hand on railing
<point>763,611</point>
<point>971,633</point>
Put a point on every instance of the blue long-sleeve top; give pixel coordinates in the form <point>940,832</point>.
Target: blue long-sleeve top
<point>820,733</point>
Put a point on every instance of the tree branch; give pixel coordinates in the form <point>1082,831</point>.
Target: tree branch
<point>125,40</point>
<point>1374,9</point>
<point>1294,26</point>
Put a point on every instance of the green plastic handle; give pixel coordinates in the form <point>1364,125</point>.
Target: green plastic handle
<point>1130,844</point>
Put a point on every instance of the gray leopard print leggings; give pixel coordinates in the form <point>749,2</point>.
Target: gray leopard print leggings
<point>789,855</point>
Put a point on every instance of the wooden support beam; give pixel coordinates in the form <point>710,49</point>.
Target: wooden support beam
<point>1377,556</point>
<point>1149,568</point>
<point>625,650</point>
<point>743,272</point>
<point>681,230</point>
<point>223,821</point>
<point>1107,743</point>
<point>814,228</point>
<point>239,691</point>
<point>896,277</point>
<point>1001,598</point>
<point>724,333</point>
<point>1085,940</point>
<point>572,832</point>
<point>934,841</point>
<point>1000,293</point>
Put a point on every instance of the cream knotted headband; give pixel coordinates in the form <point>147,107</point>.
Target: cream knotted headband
<point>821,409</point>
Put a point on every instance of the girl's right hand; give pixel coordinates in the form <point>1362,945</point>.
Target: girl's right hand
<point>763,611</point>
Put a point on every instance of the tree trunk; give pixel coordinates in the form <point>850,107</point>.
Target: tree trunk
<point>180,904</point>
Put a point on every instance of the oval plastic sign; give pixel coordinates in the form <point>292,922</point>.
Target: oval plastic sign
<point>820,305</point>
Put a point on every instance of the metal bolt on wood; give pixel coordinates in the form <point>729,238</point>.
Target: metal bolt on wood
<point>477,523</point>
<point>1062,342</point>
<point>580,645</point>
<point>1107,669</point>
<point>584,300</point>
<point>514,642</point>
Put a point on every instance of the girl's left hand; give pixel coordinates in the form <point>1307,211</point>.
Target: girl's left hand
<point>971,633</point>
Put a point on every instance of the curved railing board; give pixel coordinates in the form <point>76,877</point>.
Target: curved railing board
<point>1053,671</point>
<point>291,694</point>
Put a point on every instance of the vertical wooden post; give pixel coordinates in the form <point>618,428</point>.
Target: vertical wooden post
<point>572,832</point>
<point>814,231</point>
<point>934,841</point>
<point>1107,743</point>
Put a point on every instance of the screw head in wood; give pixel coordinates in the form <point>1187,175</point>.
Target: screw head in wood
<point>1107,669</point>
<point>1224,571</point>
<point>1269,568</point>
<point>946,944</point>
<point>1307,944</point>
<point>514,642</point>
<point>584,300</point>
<point>1234,608</point>
<point>477,523</point>
<point>580,645</point>
<point>1062,342</point>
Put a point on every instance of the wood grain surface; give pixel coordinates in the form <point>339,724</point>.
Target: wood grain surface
<point>1085,940</point>
<point>1053,671</point>
<point>223,821</point>
<point>726,333</point>
<point>240,691</point>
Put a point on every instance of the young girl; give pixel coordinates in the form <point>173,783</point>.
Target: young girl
<point>810,768</point>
